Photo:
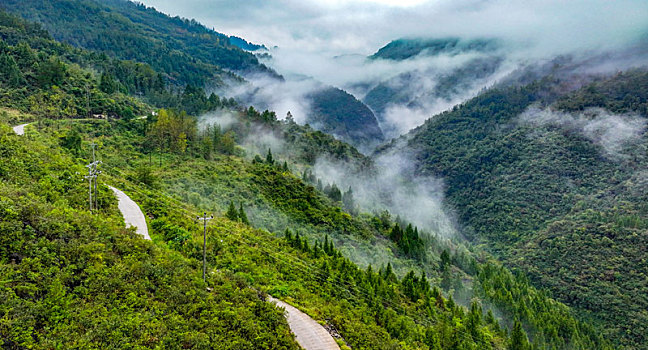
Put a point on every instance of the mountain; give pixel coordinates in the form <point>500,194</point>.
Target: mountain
<point>323,107</point>
<point>245,45</point>
<point>75,278</point>
<point>441,73</point>
<point>547,171</point>
<point>186,51</point>
<point>406,48</point>
<point>339,113</point>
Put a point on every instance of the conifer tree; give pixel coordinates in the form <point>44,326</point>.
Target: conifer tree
<point>242,215</point>
<point>519,339</point>
<point>232,214</point>
<point>269,158</point>
<point>349,201</point>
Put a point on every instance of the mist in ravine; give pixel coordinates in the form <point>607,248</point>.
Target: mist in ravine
<point>314,45</point>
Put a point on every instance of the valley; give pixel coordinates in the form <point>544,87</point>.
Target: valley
<point>441,192</point>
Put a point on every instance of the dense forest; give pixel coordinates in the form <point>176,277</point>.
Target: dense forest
<point>72,278</point>
<point>185,51</point>
<point>552,181</point>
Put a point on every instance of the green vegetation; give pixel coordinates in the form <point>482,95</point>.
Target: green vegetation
<point>70,279</point>
<point>45,78</point>
<point>81,280</point>
<point>403,49</point>
<point>339,113</point>
<point>551,199</point>
<point>73,279</point>
<point>183,50</point>
<point>275,199</point>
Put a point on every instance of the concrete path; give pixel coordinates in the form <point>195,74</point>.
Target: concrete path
<point>132,213</point>
<point>309,334</point>
<point>20,129</point>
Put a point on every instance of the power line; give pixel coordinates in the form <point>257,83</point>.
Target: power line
<point>93,172</point>
<point>295,263</point>
<point>204,219</point>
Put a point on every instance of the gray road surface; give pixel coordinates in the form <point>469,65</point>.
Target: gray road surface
<point>20,129</point>
<point>132,213</point>
<point>309,334</point>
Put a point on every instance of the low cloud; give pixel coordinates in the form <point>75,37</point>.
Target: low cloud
<point>343,27</point>
<point>225,119</point>
<point>392,186</point>
<point>327,42</point>
<point>613,133</point>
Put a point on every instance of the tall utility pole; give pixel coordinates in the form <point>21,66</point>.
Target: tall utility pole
<point>204,219</point>
<point>87,88</point>
<point>92,175</point>
<point>96,173</point>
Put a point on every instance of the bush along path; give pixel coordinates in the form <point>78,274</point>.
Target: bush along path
<point>309,334</point>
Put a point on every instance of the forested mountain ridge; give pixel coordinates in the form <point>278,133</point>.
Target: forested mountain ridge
<point>339,113</point>
<point>184,50</point>
<point>205,168</point>
<point>405,48</point>
<point>185,53</point>
<point>550,177</point>
<point>438,73</point>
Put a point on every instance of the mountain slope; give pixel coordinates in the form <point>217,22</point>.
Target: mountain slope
<point>337,112</point>
<point>434,74</point>
<point>551,179</point>
<point>186,51</point>
<point>176,170</point>
<point>73,279</point>
<point>403,49</point>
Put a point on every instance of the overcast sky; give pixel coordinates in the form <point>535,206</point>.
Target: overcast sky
<point>362,26</point>
<point>329,40</point>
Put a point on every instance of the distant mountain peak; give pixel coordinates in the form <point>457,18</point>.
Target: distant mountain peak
<point>404,48</point>
<point>245,45</point>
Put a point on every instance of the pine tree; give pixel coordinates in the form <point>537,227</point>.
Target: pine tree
<point>396,233</point>
<point>445,260</point>
<point>334,193</point>
<point>519,340</point>
<point>242,215</point>
<point>9,71</point>
<point>348,201</point>
<point>232,214</point>
<point>327,250</point>
<point>285,167</point>
<point>269,158</point>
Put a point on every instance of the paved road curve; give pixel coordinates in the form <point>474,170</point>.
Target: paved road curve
<point>20,129</point>
<point>309,334</point>
<point>132,213</point>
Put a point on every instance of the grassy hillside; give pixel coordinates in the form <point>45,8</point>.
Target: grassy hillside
<point>555,187</point>
<point>74,279</point>
<point>276,200</point>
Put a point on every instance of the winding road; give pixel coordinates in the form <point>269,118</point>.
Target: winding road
<point>20,129</point>
<point>309,334</point>
<point>132,213</point>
